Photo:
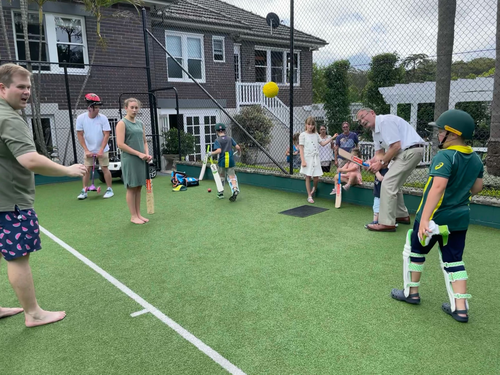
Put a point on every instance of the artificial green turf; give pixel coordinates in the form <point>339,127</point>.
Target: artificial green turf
<point>273,294</point>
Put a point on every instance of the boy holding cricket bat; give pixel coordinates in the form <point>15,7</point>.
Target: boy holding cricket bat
<point>223,146</point>
<point>455,175</point>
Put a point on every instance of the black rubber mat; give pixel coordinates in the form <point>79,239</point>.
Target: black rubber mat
<point>304,211</point>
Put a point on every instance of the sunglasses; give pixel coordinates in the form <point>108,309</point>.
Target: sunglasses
<point>361,118</point>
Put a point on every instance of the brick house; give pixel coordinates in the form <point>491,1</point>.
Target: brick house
<point>231,53</point>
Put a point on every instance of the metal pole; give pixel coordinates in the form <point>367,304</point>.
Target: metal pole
<point>291,87</point>
<point>154,124</point>
<point>70,112</point>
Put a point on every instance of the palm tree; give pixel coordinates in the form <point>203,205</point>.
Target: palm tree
<point>4,32</point>
<point>95,8</point>
<point>493,155</point>
<point>445,38</point>
<point>413,62</point>
<point>35,108</point>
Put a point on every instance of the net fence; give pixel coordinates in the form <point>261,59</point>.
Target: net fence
<point>345,57</point>
<point>210,60</point>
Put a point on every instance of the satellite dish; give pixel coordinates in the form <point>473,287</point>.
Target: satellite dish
<point>273,21</point>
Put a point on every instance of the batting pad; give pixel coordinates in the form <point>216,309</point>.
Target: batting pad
<point>304,211</point>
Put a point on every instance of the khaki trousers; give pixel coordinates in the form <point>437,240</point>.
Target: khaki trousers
<point>392,204</point>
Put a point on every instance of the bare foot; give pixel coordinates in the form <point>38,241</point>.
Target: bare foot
<point>137,221</point>
<point>9,311</point>
<point>144,219</point>
<point>44,317</point>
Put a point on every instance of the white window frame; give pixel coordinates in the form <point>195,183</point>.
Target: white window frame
<point>222,39</point>
<point>268,50</point>
<point>51,41</point>
<point>185,58</point>
<point>237,52</point>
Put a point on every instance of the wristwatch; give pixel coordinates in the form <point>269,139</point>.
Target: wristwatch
<point>382,162</point>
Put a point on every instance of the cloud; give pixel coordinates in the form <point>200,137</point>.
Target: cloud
<point>348,18</point>
<point>358,29</point>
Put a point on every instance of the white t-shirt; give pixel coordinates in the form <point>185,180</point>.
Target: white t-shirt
<point>93,129</point>
<point>390,129</point>
<point>325,152</point>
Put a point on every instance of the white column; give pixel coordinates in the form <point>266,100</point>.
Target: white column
<point>394,109</point>
<point>413,115</point>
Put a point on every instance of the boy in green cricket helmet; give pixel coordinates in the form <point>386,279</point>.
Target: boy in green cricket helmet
<point>455,175</point>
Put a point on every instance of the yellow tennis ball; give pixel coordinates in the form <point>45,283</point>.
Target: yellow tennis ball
<point>270,89</point>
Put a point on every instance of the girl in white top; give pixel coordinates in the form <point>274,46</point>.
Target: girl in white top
<point>309,142</point>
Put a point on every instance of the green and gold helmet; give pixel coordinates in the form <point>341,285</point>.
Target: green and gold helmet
<point>457,122</point>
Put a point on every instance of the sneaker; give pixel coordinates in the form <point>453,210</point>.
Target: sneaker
<point>109,193</point>
<point>82,195</point>
<point>346,187</point>
<point>220,195</point>
<point>234,196</point>
<point>333,192</point>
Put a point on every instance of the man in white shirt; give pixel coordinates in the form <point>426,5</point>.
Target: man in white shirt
<point>93,133</point>
<point>396,140</point>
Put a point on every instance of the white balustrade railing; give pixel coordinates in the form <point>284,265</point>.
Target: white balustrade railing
<point>249,93</point>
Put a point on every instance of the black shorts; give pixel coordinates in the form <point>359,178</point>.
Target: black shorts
<point>452,252</point>
<point>19,233</point>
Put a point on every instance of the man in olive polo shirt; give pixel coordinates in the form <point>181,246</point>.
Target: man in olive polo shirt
<point>19,229</point>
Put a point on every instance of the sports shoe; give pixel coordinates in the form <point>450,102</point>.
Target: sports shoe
<point>82,195</point>
<point>109,193</point>
<point>333,192</point>
<point>234,196</point>
<point>220,195</point>
<point>346,187</point>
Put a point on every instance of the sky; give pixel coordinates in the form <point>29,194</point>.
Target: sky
<point>359,29</point>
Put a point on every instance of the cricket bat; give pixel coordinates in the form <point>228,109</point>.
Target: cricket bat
<point>217,179</point>
<point>351,157</point>
<point>150,199</point>
<point>338,192</point>
<point>204,167</point>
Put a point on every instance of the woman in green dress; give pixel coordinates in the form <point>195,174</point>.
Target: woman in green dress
<point>131,139</point>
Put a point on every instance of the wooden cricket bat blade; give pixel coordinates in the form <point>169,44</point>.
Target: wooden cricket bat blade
<point>150,200</point>
<point>351,157</point>
<point>217,179</point>
<point>203,169</point>
<point>338,196</point>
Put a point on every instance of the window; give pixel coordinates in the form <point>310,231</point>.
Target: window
<point>237,65</point>
<point>274,65</point>
<point>260,66</point>
<point>47,133</point>
<point>187,50</point>
<point>295,68</point>
<point>63,41</point>
<point>218,48</point>
<point>34,36</point>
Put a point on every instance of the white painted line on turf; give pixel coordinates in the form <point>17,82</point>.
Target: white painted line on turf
<point>216,357</point>
<point>137,313</point>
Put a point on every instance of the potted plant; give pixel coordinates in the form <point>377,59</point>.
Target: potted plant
<point>259,126</point>
<point>170,146</point>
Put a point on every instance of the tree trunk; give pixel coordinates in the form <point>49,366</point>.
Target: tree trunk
<point>35,115</point>
<point>493,155</point>
<point>444,49</point>
<point>4,32</point>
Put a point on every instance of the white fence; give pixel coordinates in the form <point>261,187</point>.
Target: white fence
<point>251,94</point>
